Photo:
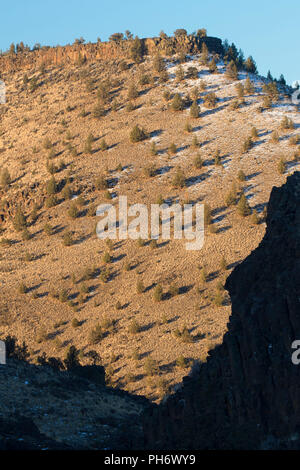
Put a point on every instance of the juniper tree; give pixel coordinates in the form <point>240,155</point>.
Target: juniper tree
<point>281,166</point>
<point>204,54</point>
<point>217,157</point>
<point>254,133</point>
<point>140,287</point>
<point>158,293</point>
<point>98,111</point>
<point>294,140</point>
<point>249,87</point>
<point>166,95</point>
<point>153,149</point>
<point>241,175</point>
<point>179,74</point>
<point>182,57</point>
<point>247,145</point>
<point>5,178</point>
<point>158,63</point>
<point>181,32</point>
<point>254,218</point>
<point>286,123</point>
<point>230,198</point>
<point>177,103</point>
<point>207,215</point>
<point>103,145</point>
<point>202,85</point>
<point>137,134</point>
<point>274,137</point>
<point>267,102</point>
<point>243,207</point>
<point>163,76</point>
<point>137,50</point>
<point>188,127</point>
<point>223,264</point>
<point>192,72</point>
<point>51,186</point>
<point>132,92</point>
<point>68,238</point>
<point>194,110</point>
<point>250,65</point>
<point>19,221</point>
<point>88,147</point>
<point>231,71</point>
<point>210,100</point>
<point>195,93</point>
<point>195,142</point>
<point>218,298</point>
<point>179,179</point>
<point>103,92</point>
<point>101,183</point>
<point>240,90</point>
<point>26,235</point>
<point>73,211</point>
<point>212,67</point>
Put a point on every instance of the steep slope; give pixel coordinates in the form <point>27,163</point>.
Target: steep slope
<point>68,293</point>
<point>247,394</point>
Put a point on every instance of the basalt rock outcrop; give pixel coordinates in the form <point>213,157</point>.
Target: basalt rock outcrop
<point>247,394</point>
<point>72,54</point>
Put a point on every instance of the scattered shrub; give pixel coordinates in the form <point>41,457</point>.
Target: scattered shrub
<point>177,103</point>
<point>68,238</point>
<point>210,100</point>
<point>151,366</point>
<point>134,327</point>
<point>281,166</point>
<point>158,293</point>
<point>140,288</point>
<point>179,179</point>
<point>254,218</point>
<point>243,207</point>
<point>194,110</point>
<point>247,145</point>
<point>96,335</point>
<point>19,221</point>
<point>241,175</point>
<point>137,134</point>
<point>23,289</point>
<point>73,211</point>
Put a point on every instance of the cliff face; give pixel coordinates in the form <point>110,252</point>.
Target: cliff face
<point>70,54</point>
<point>247,394</point>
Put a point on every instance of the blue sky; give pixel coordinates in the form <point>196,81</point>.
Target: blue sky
<point>266,29</point>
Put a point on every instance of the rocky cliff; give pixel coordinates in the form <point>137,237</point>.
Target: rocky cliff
<point>247,394</point>
<point>71,54</point>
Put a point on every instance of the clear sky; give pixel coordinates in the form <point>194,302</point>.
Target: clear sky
<point>266,29</point>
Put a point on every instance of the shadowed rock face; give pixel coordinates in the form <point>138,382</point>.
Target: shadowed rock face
<point>20,433</point>
<point>70,54</point>
<point>247,394</point>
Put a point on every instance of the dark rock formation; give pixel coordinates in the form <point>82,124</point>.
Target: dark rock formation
<point>70,54</point>
<point>247,394</point>
<point>20,433</point>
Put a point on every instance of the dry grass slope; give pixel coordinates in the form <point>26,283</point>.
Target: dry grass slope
<point>61,285</point>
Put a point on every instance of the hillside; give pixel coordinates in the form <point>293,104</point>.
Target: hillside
<point>50,113</point>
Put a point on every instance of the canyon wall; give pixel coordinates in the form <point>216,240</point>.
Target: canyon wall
<point>247,394</point>
<point>71,54</point>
